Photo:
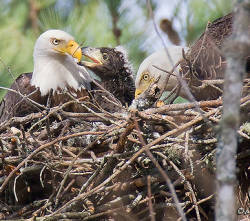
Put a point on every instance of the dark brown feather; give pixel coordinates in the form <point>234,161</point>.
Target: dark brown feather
<point>15,105</point>
<point>115,73</point>
<point>205,60</point>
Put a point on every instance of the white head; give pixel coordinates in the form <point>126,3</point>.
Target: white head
<point>148,71</point>
<point>55,62</point>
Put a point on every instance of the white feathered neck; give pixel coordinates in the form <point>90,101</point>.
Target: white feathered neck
<point>53,70</point>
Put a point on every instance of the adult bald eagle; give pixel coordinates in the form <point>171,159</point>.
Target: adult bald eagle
<point>114,70</point>
<point>56,55</point>
<point>151,70</point>
<point>202,69</point>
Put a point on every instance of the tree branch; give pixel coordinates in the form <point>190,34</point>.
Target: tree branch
<point>236,50</point>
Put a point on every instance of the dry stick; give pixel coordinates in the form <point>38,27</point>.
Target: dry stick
<point>176,89</point>
<point>112,102</point>
<point>187,152</point>
<point>47,204</point>
<point>198,203</point>
<point>167,179</point>
<point>91,117</point>
<point>68,151</point>
<point>107,212</point>
<point>24,97</point>
<point>106,91</point>
<point>52,111</point>
<point>204,85</point>
<point>20,120</point>
<point>109,101</point>
<point>9,71</point>
<point>194,200</point>
<point>119,148</point>
<point>90,110</point>
<point>188,184</point>
<point>163,89</point>
<point>135,202</point>
<point>2,157</point>
<point>184,106</point>
<point>168,72</point>
<point>24,209</point>
<point>91,178</point>
<point>202,44</point>
<point>70,168</point>
<point>177,130</point>
<point>132,159</point>
<point>151,211</point>
<point>43,147</point>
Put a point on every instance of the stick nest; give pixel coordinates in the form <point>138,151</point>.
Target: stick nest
<point>134,165</point>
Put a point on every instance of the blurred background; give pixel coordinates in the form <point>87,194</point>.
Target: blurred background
<point>99,23</point>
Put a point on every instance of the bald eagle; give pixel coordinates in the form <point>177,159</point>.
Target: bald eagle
<point>203,64</point>
<point>55,55</point>
<point>153,69</point>
<point>111,65</point>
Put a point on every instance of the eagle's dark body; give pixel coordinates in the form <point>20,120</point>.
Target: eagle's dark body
<point>114,71</point>
<point>16,105</point>
<point>205,59</point>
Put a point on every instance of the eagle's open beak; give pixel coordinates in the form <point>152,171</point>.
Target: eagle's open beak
<point>94,55</point>
<point>71,48</point>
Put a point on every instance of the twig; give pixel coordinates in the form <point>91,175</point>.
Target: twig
<point>151,211</point>
<point>43,147</point>
<point>168,181</point>
<point>70,168</point>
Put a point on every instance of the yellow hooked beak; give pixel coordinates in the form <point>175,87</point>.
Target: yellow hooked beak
<point>72,48</point>
<point>137,92</point>
<point>143,86</point>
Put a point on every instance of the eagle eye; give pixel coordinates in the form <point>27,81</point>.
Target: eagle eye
<point>105,56</point>
<point>55,41</point>
<point>145,77</point>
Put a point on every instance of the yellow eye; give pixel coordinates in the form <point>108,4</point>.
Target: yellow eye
<point>105,56</point>
<point>55,41</point>
<point>145,77</point>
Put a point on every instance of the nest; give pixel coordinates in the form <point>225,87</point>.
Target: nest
<point>134,165</point>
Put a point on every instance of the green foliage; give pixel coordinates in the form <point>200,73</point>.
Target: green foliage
<point>16,41</point>
<point>202,11</point>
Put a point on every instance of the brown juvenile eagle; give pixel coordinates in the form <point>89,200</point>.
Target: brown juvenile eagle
<point>55,55</point>
<point>111,65</point>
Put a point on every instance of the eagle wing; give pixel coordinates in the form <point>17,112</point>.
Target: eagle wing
<point>205,61</point>
<point>14,104</point>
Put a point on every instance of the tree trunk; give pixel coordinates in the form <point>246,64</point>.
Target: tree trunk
<point>236,50</point>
